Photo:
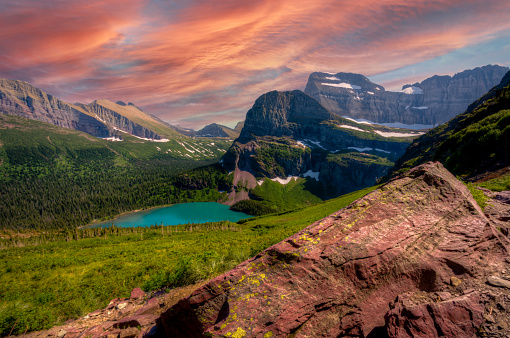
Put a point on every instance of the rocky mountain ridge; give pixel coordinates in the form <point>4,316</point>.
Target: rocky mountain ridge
<point>425,104</point>
<point>101,118</point>
<point>211,130</point>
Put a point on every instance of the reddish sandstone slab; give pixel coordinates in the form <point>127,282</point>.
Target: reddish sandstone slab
<point>338,275</point>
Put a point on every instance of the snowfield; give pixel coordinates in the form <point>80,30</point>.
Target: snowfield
<point>112,139</point>
<point>284,181</point>
<point>351,127</point>
<point>412,90</point>
<point>342,85</point>
<point>312,174</point>
<point>392,134</point>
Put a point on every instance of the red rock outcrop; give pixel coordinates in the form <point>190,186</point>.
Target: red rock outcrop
<point>457,317</point>
<point>420,234</point>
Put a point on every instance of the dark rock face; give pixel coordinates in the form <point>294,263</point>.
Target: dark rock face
<point>401,244</point>
<point>278,113</point>
<point>433,101</point>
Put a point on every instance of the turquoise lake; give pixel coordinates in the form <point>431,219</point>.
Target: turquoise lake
<point>198,212</point>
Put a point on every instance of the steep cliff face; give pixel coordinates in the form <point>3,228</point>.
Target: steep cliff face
<point>472,144</point>
<point>21,99</point>
<point>282,113</point>
<point>417,257</point>
<point>290,134</point>
<point>431,102</point>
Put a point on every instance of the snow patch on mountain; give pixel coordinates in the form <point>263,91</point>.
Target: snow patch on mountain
<point>312,174</point>
<point>412,90</point>
<point>284,181</point>
<point>351,127</point>
<point>393,134</point>
<point>342,85</point>
<point>113,138</point>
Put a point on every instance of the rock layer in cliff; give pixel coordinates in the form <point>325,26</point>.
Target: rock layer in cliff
<point>420,242</point>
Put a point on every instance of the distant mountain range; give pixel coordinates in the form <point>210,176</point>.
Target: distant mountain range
<point>211,130</point>
<point>430,102</point>
<point>101,118</point>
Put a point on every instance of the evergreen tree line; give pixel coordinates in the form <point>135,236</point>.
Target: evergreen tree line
<point>71,198</point>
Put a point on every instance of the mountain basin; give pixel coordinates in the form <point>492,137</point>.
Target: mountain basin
<point>184,213</point>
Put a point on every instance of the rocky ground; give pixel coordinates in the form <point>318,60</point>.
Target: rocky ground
<point>122,318</point>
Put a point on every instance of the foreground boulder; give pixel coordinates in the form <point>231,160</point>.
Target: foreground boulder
<point>420,243</point>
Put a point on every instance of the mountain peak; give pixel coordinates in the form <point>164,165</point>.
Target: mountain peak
<point>272,112</point>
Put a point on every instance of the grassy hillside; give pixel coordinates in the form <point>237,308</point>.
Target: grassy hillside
<point>69,274</point>
<point>271,196</point>
<point>51,177</point>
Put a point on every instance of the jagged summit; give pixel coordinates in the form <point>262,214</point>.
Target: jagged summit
<point>275,113</point>
<point>420,242</point>
<point>346,81</point>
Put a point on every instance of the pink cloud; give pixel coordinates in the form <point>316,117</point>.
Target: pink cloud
<point>209,60</point>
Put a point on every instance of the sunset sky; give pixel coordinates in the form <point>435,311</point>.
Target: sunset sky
<point>195,62</point>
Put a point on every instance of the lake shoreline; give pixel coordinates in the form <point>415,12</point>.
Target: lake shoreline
<point>173,214</point>
<point>94,222</point>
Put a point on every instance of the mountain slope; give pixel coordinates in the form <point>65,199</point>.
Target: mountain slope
<point>131,119</point>
<point>472,144</point>
<point>431,102</point>
<point>22,99</point>
<point>416,257</point>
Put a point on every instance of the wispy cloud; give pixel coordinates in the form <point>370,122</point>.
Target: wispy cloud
<point>207,61</point>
